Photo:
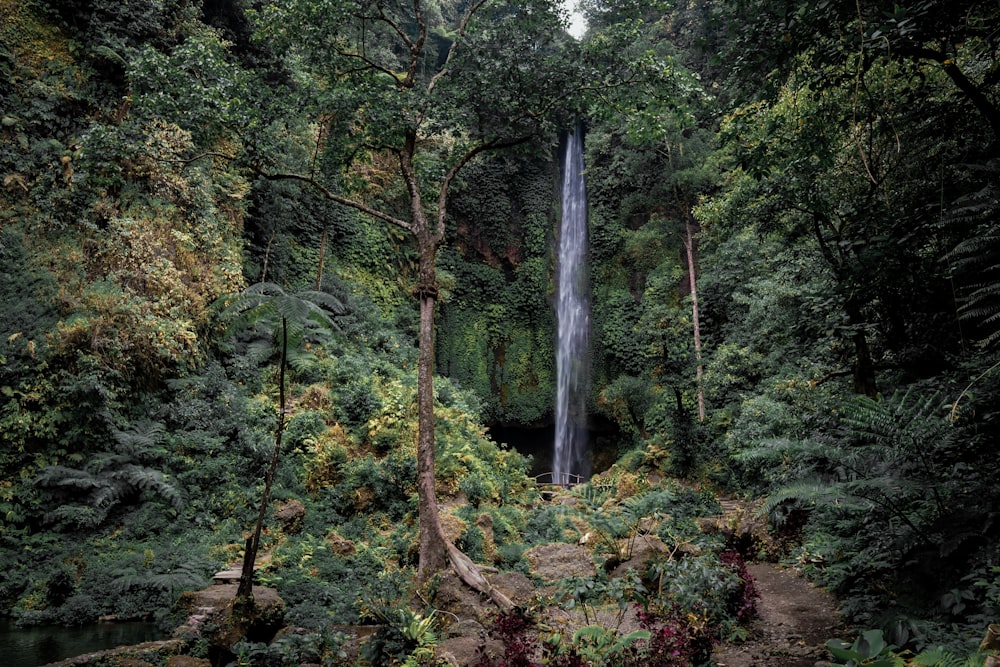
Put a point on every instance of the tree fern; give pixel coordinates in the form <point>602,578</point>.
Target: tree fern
<point>297,309</point>
<point>85,496</point>
<point>299,313</point>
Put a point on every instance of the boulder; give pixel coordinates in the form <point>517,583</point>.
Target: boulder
<point>340,545</point>
<point>552,562</point>
<point>291,514</point>
<point>212,614</point>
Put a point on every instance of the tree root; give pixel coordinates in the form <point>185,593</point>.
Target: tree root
<point>471,575</point>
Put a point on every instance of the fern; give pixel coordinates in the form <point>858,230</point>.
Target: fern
<point>976,260</point>
<point>165,575</point>
<point>300,314</point>
<point>808,492</point>
<point>295,309</point>
<point>87,495</point>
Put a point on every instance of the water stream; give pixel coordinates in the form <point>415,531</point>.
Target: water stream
<point>570,456</point>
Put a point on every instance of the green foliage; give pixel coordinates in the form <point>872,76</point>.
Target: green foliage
<point>869,649</point>
<point>599,645</point>
<point>878,504</point>
<point>502,353</point>
<point>322,647</point>
<point>194,86</point>
<point>700,584</point>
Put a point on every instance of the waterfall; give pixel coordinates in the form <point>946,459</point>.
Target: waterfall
<point>573,320</point>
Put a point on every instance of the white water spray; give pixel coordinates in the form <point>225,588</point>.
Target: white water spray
<point>573,319</point>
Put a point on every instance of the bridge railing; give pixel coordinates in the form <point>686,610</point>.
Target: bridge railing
<point>565,479</point>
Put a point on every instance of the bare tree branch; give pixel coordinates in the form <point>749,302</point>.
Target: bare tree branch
<point>332,196</point>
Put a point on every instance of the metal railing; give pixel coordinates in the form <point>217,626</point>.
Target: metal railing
<point>566,479</point>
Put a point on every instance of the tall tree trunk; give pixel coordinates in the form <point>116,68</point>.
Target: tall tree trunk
<point>433,552</point>
<point>245,589</point>
<point>436,553</point>
<point>864,368</point>
<point>689,242</point>
<point>322,258</point>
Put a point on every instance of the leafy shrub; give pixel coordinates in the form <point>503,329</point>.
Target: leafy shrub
<point>551,524</point>
<point>520,648</point>
<point>743,601</point>
<point>673,642</point>
<point>302,430</point>
<point>321,647</point>
<point>698,584</point>
<point>358,401</point>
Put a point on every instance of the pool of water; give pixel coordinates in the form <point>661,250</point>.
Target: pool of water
<point>536,442</point>
<point>35,646</point>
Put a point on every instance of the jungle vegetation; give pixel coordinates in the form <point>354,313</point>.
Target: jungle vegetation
<point>302,251</point>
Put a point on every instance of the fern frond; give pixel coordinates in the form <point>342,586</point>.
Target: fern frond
<point>807,491</point>
<point>147,479</point>
<point>776,449</point>
<point>61,476</point>
<point>80,516</point>
<point>107,495</point>
<point>178,578</point>
<point>902,425</point>
<point>128,579</point>
<point>938,657</point>
<point>141,439</point>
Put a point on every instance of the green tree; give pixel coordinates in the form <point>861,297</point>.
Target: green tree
<point>405,95</point>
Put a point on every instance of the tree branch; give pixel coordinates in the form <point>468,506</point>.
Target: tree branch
<point>443,194</point>
<point>462,27</point>
<point>416,48</point>
<point>369,65</point>
<point>973,92</point>
<point>329,194</point>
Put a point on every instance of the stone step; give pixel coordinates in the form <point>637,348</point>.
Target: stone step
<point>230,576</point>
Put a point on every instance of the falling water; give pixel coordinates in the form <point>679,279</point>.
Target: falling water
<point>573,318</point>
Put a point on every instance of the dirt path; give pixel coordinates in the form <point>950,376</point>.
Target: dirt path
<point>795,621</point>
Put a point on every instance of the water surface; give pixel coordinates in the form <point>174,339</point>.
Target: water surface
<point>36,646</point>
